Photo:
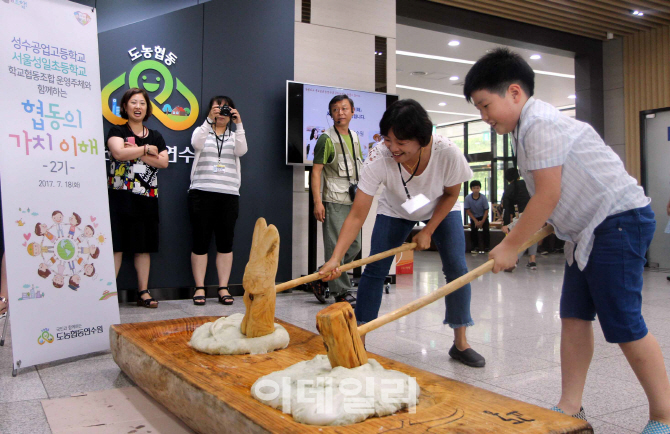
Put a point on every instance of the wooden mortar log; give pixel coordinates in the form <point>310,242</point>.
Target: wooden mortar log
<point>342,337</point>
<point>259,281</point>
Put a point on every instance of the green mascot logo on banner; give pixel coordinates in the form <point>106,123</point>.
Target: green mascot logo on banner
<point>177,119</point>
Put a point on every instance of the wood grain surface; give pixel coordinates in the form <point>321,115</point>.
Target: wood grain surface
<point>211,394</point>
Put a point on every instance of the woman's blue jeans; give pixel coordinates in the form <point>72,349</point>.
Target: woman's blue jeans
<point>390,232</point>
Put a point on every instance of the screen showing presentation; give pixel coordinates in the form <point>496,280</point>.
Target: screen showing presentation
<point>307,118</point>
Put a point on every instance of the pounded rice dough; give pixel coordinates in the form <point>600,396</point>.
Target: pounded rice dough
<point>280,390</point>
<point>223,336</point>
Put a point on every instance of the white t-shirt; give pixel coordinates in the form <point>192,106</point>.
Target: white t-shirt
<point>447,167</point>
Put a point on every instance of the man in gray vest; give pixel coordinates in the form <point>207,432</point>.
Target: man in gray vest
<point>337,154</point>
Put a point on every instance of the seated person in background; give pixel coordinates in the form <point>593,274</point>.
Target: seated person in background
<point>516,197</point>
<point>476,206</point>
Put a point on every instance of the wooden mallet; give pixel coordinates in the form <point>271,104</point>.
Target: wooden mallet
<point>346,267</point>
<point>342,336</point>
<point>259,278</point>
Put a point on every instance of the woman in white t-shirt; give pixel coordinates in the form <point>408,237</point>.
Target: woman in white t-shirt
<point>411,164</point>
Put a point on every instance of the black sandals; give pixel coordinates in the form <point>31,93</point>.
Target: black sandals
<point>149,302</point>
<point>225,299</point>
<point>199,300</point>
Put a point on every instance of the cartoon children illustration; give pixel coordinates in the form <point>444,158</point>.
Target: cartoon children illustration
<point>92,250</point>
<point>35,249</point>
<point>74,282</point>
<point>72,265</point>
<point>43,270</point>
<point>57,218</point>
<point>59,279</point>
<point>87,233</point>
<point>75,221</point>
<point>42,229</point>
<point>89,270</point>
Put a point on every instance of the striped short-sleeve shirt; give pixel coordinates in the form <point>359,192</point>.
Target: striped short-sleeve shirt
<point>594,182</point>
<point>224,179</point>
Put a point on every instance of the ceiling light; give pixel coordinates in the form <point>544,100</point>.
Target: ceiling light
<point>471,62</point>
<point>453,78</point>
<point>536,57</point>
<point>419,89</point>
<point>454,43</point>
<point>460,121</point>
<point>442,104</point>
<point>450,113</point>
<point>375,53</point>
<point>572,96</point>
<point>379,54</point>
<point>637,13</point>
<point>419,73</point>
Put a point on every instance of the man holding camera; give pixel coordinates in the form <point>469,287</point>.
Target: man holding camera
<point>337,154</point>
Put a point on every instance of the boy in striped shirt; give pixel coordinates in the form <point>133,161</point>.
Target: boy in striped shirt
<point>564,161</point>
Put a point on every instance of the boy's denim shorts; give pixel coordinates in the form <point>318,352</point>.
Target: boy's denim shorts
<point>611,284</point>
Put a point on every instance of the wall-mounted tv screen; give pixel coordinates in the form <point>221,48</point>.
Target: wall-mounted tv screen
<point>307,117</point>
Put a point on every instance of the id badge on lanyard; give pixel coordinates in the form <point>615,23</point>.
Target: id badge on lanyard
<point>139,168</point>
<point>412,205</point>
<point>219,168</point>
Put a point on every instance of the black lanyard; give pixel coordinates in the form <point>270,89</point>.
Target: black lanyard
<point>219,145</point>
<point>404,184</point>
<point>144,136</point>
<point>344,154</point>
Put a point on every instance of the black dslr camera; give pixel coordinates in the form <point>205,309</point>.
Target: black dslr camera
<point>224,110</point>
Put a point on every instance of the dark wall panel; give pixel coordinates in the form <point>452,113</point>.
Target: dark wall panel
<point>248,55</point>
<point>171,265</point>
<point>248,59</point>
<point>113,14</point>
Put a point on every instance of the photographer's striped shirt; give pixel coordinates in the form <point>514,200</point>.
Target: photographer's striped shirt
<point>225,180</point>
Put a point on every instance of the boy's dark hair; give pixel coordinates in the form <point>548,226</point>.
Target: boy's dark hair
<point>77,218</point>
<point>408,120</point>
<point>475,183</point>
<point>496,71</point>
<point>338,98</point>
<point>511,174</point>
<point>129,94</point>
<point>53,214</point>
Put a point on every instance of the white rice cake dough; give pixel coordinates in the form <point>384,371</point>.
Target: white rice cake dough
<point>316,394</point>
<point>223,336</point>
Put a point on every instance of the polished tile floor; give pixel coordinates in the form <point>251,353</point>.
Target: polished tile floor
<point>517,329</point>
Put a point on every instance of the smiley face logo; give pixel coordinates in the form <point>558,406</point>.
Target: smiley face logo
<point>151,87</point>
<point>152,82</point>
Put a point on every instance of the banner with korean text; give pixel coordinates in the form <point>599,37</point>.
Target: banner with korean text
<point>62,289</point>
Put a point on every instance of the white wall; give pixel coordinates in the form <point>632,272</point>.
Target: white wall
<point>337,49</point>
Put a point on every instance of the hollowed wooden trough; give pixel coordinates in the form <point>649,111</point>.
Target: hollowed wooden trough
<point>211,394</point>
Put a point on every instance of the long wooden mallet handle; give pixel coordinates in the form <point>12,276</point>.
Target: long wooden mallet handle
<point>351,265</point>
<point>448,288</point>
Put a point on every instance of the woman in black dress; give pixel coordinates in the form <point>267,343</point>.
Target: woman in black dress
<point>136,154</point>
